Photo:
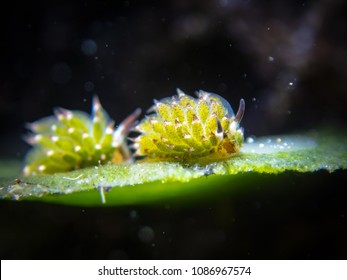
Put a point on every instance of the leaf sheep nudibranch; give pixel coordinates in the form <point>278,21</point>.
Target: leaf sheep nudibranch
<point>72,139</point>
<point>192,130</point>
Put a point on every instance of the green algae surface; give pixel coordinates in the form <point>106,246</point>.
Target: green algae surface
<point>147,182</point>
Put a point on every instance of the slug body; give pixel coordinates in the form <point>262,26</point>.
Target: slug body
<point>71,140</point>
<point>191,130</point>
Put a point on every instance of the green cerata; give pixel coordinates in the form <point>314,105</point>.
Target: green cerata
<point>190,130</point>
<point>71,140</point>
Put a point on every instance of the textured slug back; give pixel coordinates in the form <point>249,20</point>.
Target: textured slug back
<point>72,139</point>
<point>184,128</point>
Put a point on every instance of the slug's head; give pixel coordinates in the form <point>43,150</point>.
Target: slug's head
<point>192,130</point>
<point>72,139</point>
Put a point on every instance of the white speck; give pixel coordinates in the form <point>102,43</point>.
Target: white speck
<point>96,119</point>
<point>70,130</point>
<point>277,144</point>
<point>26,170</point>
<point>271,58</point>
<point>291,83</point>
<point>249,140</point>
<point>53,127</point>
<point>60,116</point>
<point>69,115</point>
<point>115,144</point>
<point>49,153</point>
<point>38,137</point>
<point>97,146</point>
<point>233,126</point>
<point>55,138</point>
<point>109,130</point>
<point>85,135</point>
<point>72,179</point>
<point>77,148</point>
<point>41,168</point>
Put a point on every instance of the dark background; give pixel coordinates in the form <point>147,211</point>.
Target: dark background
<point>287,59</point>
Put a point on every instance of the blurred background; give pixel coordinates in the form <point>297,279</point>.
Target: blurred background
<point>287,59</point>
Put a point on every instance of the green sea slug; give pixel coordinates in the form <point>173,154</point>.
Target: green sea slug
<point>192,130</point>
<point>71,140</point>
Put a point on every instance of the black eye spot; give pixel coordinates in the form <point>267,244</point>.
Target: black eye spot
<point>219,127</point>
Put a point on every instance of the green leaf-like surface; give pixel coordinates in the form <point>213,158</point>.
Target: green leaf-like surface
<point>147,182</point>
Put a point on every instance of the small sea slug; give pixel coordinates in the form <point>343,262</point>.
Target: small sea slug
<point>70,140</point>
<point>190,130</point>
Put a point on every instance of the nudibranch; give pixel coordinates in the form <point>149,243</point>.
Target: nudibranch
<point>70,140</point>
<point>190,130</point>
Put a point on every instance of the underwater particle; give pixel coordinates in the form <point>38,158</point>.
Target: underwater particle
<point>133,214</point>
<point>190,130</point>
<point>89,47</point>
<point>71,140</point>
<point>268,145</point>
<point>89,86</point>
<point>249,140</point>
<point>146,234</point>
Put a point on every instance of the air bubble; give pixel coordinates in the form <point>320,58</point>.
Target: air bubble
<point>133,214</point>
<point>89,86</point>
<point>89,47</point>
<point>146,234</point>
